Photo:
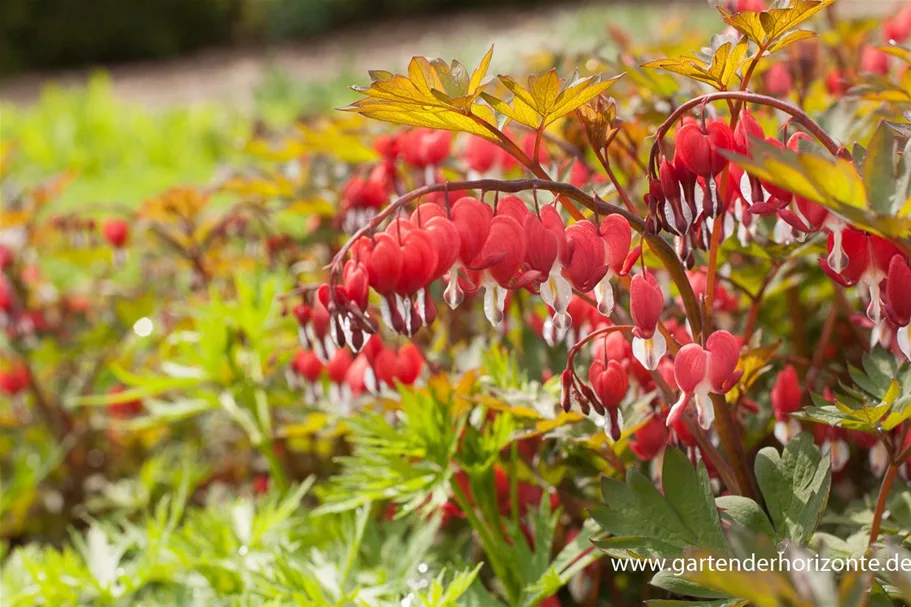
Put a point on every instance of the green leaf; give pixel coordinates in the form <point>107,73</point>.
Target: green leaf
<point>879,170</point>
<point>745,512</point>
<point>795,485</point>
<point>717,603</point>
<point>689,491</point>
<point>647,523</point>
<point>670,581</point>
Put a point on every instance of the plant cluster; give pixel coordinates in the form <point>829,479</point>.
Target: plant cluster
<point>458,360</point>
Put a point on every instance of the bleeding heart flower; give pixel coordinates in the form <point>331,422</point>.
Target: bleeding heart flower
<point>545,252</point>
<point>471,218</point>
<point>610,385</point>
<point>116,232</point>
<point>617,235</point>
<point>370,193</point>
<point>646,304</point>
<point>513,206</point>
<point>419,261</point>
<point>867,258</point>
<point>383,259</point>
<point>746,130</point>
<point>355,283</point>
<point>403,366</point>
<point>898,301</point>
<point>498,261</point>
<point>480,154</point>
<point>700,149</point>
<point>874,61</point>
<point>307,365</point>
<point>443,234</point>
<point>756,6</point>
<point>670,206</point>
<point>14,380</point>
<point>338,365</point>
<point>786,397</point>
<point>778,80</point>
<point>700,371</point>
<point>422,148</point>
<point>650,439</point>
<point>584,267</point>
<point>898,28</point>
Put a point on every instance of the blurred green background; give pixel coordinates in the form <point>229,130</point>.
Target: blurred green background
<point>62,33</point>
<point>164,115</point>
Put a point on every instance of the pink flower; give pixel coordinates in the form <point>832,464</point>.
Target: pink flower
<point>610,384</point>
<point>786,396</point>
<point>646,304</point>
<point>700,371</point>
<point>898,301</point>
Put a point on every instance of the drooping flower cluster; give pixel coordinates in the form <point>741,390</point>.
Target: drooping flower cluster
<point>474,246</point>
<point>375,366</point>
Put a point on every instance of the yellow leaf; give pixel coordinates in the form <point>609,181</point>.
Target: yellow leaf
<point>545,97</point>
<point>477,77</point>
<point>896,418</point>
<point>718,74</point>
<point>897,51</point>
<point>315,206</point>
<point>753,364</point>
<point>434,94</point>
<point>833,183</point>
<point>870,415</point>
<point>795,36</point>
<point>768,26</point>
<point>892,393</point>
<point>519,111</point>
<point>548,425</point>
<point>312,424</point>
<point>838,181</point>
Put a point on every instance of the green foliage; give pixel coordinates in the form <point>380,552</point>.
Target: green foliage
<point>407,462</point>
<point>96,135</point>
<point>879,399</point>
<point>795,485</point>
<point>645,523</point>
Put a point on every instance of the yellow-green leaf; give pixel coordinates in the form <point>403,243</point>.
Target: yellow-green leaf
<point>767,27</point>
<point>718,74</point>
<point>546,99</point>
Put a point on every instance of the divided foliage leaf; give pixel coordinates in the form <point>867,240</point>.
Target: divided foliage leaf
<point>645,523</point>
<point>880,398</point>
<point>795,485</point>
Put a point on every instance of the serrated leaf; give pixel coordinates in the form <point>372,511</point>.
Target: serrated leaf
<point>795,485</point>
<point>766,27</point>
<point>548,98</point>
<point>719,73</point>
<point>879,170</point>
<point>434,94</point>
<point>690,493</point>
<point>647,523</point>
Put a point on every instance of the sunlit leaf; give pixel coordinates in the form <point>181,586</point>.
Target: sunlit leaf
<point>766,27</point>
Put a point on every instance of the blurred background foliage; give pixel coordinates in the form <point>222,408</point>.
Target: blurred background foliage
<point>60,33</point>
